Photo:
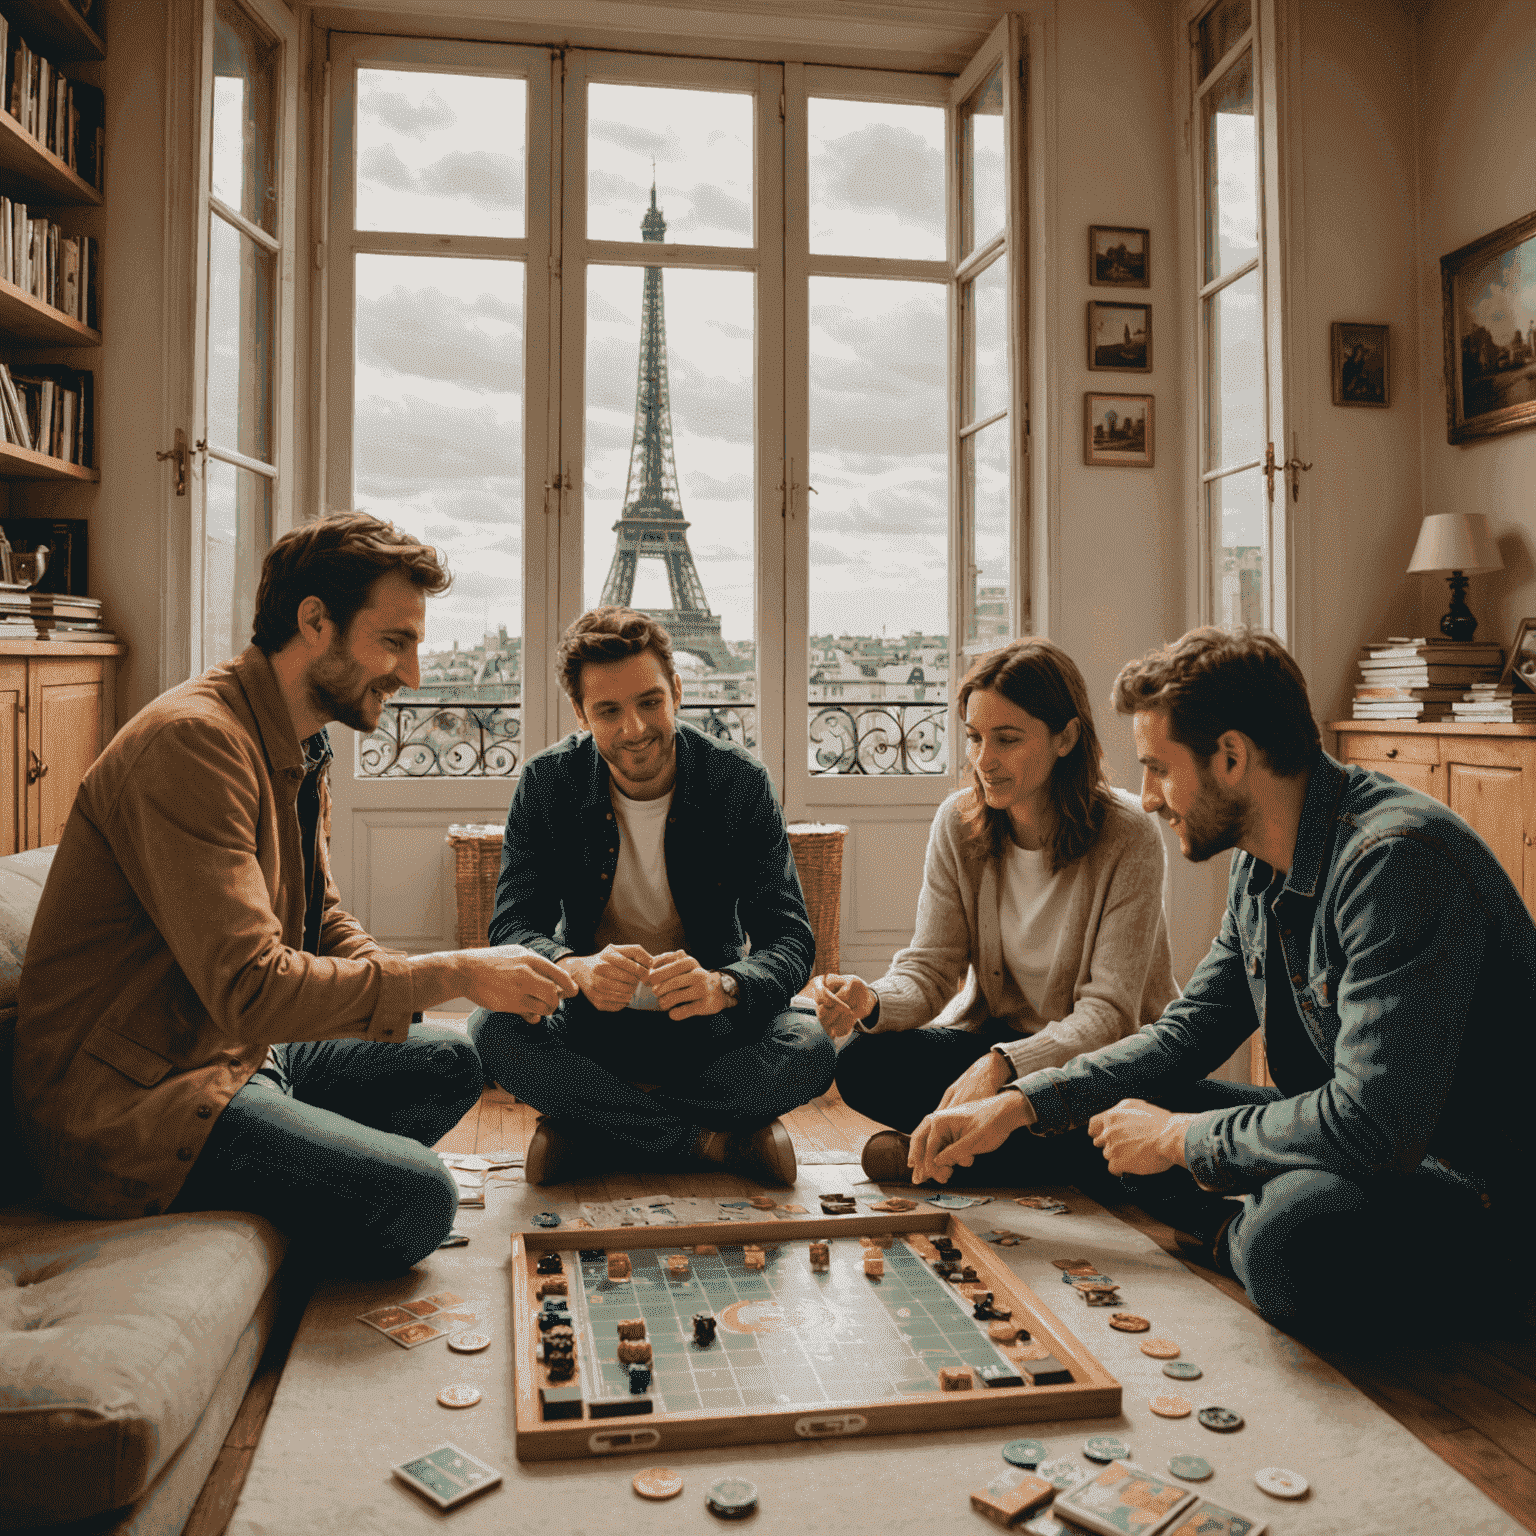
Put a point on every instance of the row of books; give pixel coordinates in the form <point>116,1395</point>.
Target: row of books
<point>67,117</point>
<point>39,258</point>
<point>50,409</point>
<point>1420,679</point>
<point>50,616</point>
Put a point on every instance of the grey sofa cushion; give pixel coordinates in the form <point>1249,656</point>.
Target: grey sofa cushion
<point>21,885</point>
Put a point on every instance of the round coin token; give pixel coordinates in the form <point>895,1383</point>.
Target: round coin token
<point>460,1395</point>
<point>1195,1468</point>
<point>1281,1482</point>
<point>658,1483</point>
<point>1160,1349</point>
<point>1182,1370</point>
<point>1024,1453</point>
<point>1106,1448</point>
<point>468,1342</point>
<point>1061,1474</point>
<point>732,1498</point>
<point>546,1219</point>
<point>1169,1405</point>
<point>1128,1322</point>
<point>1224,1420</point>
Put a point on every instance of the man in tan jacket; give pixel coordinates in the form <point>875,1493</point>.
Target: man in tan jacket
<point>201,1026</point>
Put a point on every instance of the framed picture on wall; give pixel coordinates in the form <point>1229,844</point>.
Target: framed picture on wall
<point>1359,355</point>
<point>1119,337</point>
<point>1119,258</point>
<point>1488,301</point>
<point>1117,431</point>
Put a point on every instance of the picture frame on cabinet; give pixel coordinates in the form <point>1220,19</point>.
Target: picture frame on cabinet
<point>1119,257</point>
<point>1119,337</point>
<point>1117,431</point>
<point>1520,668</point>
<point>1359,363</point>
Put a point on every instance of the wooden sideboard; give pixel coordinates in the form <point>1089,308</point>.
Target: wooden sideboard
<point>57,712</point>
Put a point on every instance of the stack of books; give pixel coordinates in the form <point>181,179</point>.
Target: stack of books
<point>50,616</point>
<point>1420,679</point>
<point>1496,704</point>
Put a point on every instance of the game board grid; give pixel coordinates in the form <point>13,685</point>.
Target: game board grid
<point>832,1364</point>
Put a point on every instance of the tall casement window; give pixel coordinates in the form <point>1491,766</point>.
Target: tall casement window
<point>1242,435</point>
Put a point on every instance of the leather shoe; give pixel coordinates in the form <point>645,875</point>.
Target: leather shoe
<point>884,1158</point>
<point>551,1154</point>
<point>767,1155</point>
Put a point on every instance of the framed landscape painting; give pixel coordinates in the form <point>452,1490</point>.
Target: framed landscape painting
<point>1117,430</point>
<point>1119,258</point>
<point>1119,337</point>
<point>1488,293</point>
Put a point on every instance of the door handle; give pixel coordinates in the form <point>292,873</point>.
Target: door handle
<point>38,770</point>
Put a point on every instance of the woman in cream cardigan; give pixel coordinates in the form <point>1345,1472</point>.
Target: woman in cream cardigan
<point>1043,892</point>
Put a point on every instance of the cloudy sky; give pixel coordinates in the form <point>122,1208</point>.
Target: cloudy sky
<point>439,359</point>
<point>1502,294</point>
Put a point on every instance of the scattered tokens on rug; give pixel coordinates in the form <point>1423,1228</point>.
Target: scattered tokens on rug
<point>657,1483</point>
<point>1128,1322</point>
<point>732,1498</point>
<point>1281,1482</point>
<point>1182,1370</point>
<point>1062,1473</point>
<point>460,1395</point>
<point>1024,1453</point>
<point>469,1341</point>
<point>1223,1420</point>
<point>1194,1468</point>
<point>1160,1349</point>
<point>1105,1448</point>
<point>1169,1405</point>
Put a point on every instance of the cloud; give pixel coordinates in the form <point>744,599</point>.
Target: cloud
<point>406,117</point>
<point>702,486</point>
<point>1507,300</point>
<point>636,138</point>
<point>711,209</point>
<point>488,180</point>
<point>416,443</point>
<point>882,168</point>
<point>428,334</point>
<point>381,165</point>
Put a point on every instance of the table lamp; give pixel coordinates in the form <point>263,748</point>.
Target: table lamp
<point>1456,544</point>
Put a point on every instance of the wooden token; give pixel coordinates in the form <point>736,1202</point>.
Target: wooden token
<point>460,1395</point>
<point>1033,1350</point>
<point>1128,1322</point>
<point>1160,1349</point>
<point>1281,1482</point>
<point>1004,1333</point>
<point>762,1202</point>
<point>1169,1405</point>
<point>657,1483</point>
<point>956,1378</point>
<point>468,1342</point>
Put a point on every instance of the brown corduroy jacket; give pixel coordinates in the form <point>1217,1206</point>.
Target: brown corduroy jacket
<point>167,952</point>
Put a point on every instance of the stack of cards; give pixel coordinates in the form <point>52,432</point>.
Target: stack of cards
<point>410,1323</point>
<point>447,1476</point>
<point>1124,1501</point>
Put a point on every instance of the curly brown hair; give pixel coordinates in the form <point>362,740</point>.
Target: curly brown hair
<point>609,634</point>
<point>1040,678</point>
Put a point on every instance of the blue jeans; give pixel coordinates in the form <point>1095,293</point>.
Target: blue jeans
<point>333,1147</point>
<point>580,1067</point>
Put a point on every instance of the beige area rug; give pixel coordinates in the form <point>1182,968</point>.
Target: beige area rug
<point>352,1403</point>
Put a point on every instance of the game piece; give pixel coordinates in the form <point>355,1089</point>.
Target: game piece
<point>894,1203</point>
<point>619,1267</point>
<point>986,1309</point>
<point>553,1286</point>
<point>1003,1508</point>
<point>1093,1279</point>
<point>1128,1322</point>
<point>469,1341</point>
<point>1046,1524</point>
<point>1101,1298</point>
<point>874,1266</point>
<point>1072,1264</point>
<point>1106,1448</point>
<point>821,1258</point>
<point>955,1378</point>
<point>946,1269</point>
<point>1062,1473</point>
<point>590,1255</point>
<point>640,1378</point>
<point>1281,1482</point>
<point>619,1407</point>
<point>705,1248</point>
<point>1195,1468</point>
<point>1047,1371</point>
<point>543,1219</point>
<point>920,1245</point>
<point>754,1257</point>
<point>549,1264</point>
<point>1182,1370</point>
<point>561,1368</point>
<point>677,1266</point>
<point>972,1290</point>
<point>1207,1519</point>
<point>1222,1420</point>
<point>838,1207</point>
<point>1160,1349</point>
<point>634,1351</point>
<point>703,1330</point>
<point>1122,1498</point>
<point>461,1395</point>
<point>632,1328</point>
<point>968,1274</point>
<point>1169,1405</point>
<point>1004,1333</point>
<point>763,1202</point>
<point>1024,1453</point>
<point>447,1476</point>
<point>657,1483</point>
<point>732,1498</point>
<point>1000,1376</point>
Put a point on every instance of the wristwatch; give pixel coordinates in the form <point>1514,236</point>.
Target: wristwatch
<point>730,986</point>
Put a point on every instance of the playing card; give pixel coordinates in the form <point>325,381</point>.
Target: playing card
<point>416,1333</point>
<point>447,1476</point>
<point>1207,1519</point>
<point>1124,1500</point>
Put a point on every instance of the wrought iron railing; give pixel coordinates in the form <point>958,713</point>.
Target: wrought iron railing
<point>443,739</point>
<point>736,721</point>
<point>879,739</point>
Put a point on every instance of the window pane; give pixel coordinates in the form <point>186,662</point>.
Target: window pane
<point>986,340</point>
<point>983,190</point>
<point>1232,172</point>
<point>879,528</point>
<point>693,147</point>
<point>1235,357</point>
<point>1220,28</point>
<point>670,486</point>
<point>244,117</point>
<point>876,179</point>
<point>1236,506</point>
<point>240,356</point>
<point>438,450</point>
<point>984,464</point>
<point>237,533</point>
<point>441,154</point>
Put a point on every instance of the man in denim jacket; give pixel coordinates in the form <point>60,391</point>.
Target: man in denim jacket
<point>1391,964</point>
<point>646,860</point>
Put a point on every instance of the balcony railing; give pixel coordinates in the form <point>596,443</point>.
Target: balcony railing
<point>443,739</point>
<point>879,739</point>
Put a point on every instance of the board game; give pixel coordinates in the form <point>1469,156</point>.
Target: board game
<point>743,1332</point>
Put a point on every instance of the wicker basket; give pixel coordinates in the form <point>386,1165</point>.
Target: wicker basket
<point>818,850</point>
<point>476,867</point>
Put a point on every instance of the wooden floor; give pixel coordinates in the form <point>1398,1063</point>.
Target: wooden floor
<point>1473,1405</point>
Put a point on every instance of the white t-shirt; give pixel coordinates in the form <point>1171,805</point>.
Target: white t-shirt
<point>1030,909</point>
<point>641,910</point>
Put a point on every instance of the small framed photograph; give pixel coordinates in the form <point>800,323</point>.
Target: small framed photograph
<point>1117,430</point>
<point>1119,337</point>
<point>1520,668</point>
<point>1119,258</point>
<point>1488,298</point>
<point>1359,364</point>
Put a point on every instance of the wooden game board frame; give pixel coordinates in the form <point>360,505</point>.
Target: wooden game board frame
<point>1093,1393</point>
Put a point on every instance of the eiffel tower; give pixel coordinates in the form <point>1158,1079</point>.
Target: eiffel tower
<point>651,525</point>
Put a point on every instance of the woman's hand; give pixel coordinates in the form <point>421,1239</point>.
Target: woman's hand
<point>841,1002</point>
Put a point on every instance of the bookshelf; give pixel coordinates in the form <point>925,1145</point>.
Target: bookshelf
<point>57,26</point>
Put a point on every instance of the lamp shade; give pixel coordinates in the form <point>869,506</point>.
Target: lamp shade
<point>1455,541</point>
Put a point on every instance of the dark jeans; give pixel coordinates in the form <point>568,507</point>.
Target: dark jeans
<point>899,1077</point>
<point>580,1067</point>
<point>333,1147</point>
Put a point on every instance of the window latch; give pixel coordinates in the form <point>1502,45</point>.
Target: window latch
<point>179,455</point>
